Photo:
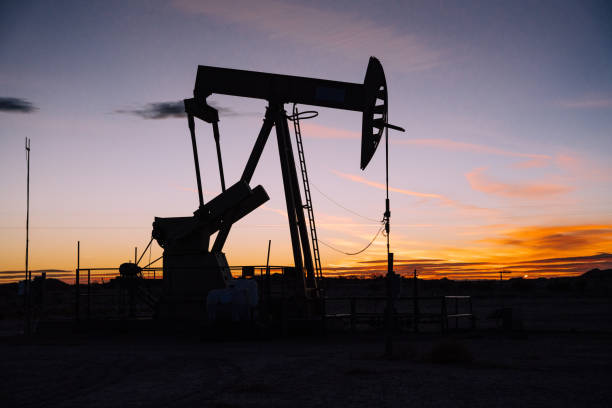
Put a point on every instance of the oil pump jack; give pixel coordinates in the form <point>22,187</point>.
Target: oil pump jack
<point>191,266</point>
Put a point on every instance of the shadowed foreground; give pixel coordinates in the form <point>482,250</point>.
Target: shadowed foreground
<point>479,369</point>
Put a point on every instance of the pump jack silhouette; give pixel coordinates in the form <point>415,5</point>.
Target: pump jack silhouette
<point>191,268</point>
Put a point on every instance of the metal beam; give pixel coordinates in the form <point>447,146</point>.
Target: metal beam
<point>279,88</point>
<point>215,126</point>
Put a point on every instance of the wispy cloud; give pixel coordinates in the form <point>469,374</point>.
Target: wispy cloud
<point>15,276</point>
<point>174,109</point>
<point>344,33</point>
<point>443,199</point>
<point>533,160</point>
<point>556,238</point>
<point>157,110</point>
<point>583,168</point>
<point>314,130</point>
<point>483,183</point>
<point>601,257</point>
<point>381,186</point>
<point>568,161</point>
<point>486,269</point>
<point>587,103</point>
<point>278,211</point>
<point>16,105</point>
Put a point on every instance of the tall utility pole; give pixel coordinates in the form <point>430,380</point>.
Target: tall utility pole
<point>391,277</point>
<point>389,313</point>
<point>28,274</point>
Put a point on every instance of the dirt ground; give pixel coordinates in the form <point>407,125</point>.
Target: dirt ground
<point>479,369</point>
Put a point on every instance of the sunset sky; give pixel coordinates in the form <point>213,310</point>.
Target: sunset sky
<point>505,163</point>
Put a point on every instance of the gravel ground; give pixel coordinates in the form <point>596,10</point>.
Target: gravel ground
<point>478,369</point>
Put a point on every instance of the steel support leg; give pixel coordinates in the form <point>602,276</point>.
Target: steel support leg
<point>299,208</point>
<point>284,151</point>
<point>191,124</point>
<point>215,126</point>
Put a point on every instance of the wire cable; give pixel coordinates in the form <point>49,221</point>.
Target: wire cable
<point>358,252</point>
<point>296,117</point>
<point>151,263</point>
<point>343,207</point>
<point>145,251</point>
<point>309,115</point>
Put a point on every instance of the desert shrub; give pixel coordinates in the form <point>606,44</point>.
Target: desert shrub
<point>450,352</point>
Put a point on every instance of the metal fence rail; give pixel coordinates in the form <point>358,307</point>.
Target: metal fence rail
<point>410,312</point>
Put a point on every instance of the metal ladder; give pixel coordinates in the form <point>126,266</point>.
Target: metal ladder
<point>308,205</point>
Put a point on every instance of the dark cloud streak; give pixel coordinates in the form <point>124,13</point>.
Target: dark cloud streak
<point>438,268</point>
<point>16,105</point>
<point>166,110</point>
<point>599,257</point>
<point>157,110</point>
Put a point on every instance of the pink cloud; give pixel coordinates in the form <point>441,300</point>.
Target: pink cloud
<point>314,130</point>
<point>533,160</point>
<point>424,196</point>
<point>317,131</point>
<point>275,210</point>
<point>338,32</point>
<point>381,186</point>
<point>483,183</point>
<point>583,168</point>
<point>568,162</point>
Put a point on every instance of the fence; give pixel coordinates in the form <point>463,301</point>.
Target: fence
<point>409,313</point>
<point>95,296</point>
<point>457,313</point>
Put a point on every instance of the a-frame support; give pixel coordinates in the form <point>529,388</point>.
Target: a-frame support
<point>302,255</point>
